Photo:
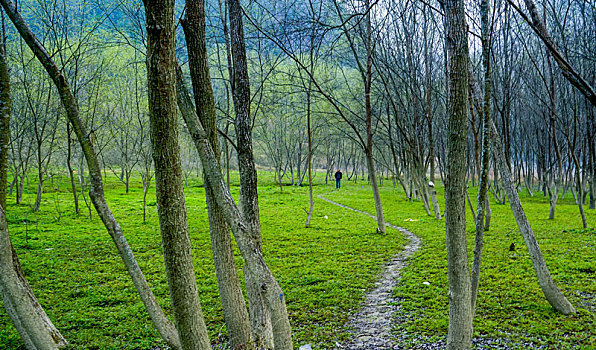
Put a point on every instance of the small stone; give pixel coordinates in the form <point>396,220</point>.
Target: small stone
<point>306,347</point>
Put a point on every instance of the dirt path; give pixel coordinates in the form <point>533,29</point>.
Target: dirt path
<point>372,325</point>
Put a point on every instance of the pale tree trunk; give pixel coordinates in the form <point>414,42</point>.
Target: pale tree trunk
<point>460,307</point>
<point>548,286</point>
<point>29,318</point>
<point>482,201</point>
<point>177,252</point>
<point>233,304</point>
<point>162,323</point>
<point>32,323</point>
<point>578,183</point>
<point>433,196</point>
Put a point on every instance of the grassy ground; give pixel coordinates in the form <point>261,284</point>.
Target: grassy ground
<point>511,306</point>
<point>76,274</point>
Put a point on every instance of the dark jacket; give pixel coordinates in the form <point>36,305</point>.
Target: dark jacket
<point>338,175</point>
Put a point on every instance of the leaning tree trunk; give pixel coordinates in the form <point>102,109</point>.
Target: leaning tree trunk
<point>233,304</point>
<point>460,307</point>
<point>548,286</point>
<point>71,171</point>
<point>161,321</point>
<point>29,318</point>
<point>169,184</point>
<point>251,250</point>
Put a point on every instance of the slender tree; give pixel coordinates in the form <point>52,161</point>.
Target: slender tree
<point>161,82</point>
<point>460,307</point>
<point>234,307</point>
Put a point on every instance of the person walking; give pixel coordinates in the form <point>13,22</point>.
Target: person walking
<point>338,176</point>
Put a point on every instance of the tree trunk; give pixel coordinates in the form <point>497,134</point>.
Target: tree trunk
<point>29,318</point>
<point>251,252</point>
<point>368,149</point>
<point>162,323</point>
<point>233,304</point>
<point>248,199</point>
<point>32,323</point>
<point>548,286</point>
<point>309,132</point>
<point>482,201</point>
<point>40,180</point>
<point>70,170</point>
<point>460,308</point>
<point>169,184</point>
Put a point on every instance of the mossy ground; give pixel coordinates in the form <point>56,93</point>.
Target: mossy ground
<point>81,282</point>
<point>324,270</point>
<point>510,305</point>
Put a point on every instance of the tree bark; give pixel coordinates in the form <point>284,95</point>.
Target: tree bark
<point>233,304</point>
<point>161,81</point>
<point>460,307</point>
<point>548,286</point>
<point>482,201</point>
<point>29,318</point>
<point>368,149</point>
<point>251,252</point>
<point>70,170</point>
<point>162,323</point>
<point>262,327</point>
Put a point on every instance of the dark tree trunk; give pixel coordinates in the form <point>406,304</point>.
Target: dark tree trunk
<point>482,201</point>
<point>234,307</point>
<point>169,184</point>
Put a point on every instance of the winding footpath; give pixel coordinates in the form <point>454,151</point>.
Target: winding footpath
<point>372,325</point>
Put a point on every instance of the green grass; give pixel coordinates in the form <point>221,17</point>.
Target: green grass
<point>324,271</point>
<point>510,304</point>
<point>82,284</point>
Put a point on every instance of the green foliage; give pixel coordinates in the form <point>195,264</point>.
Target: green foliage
<point>510,304</point>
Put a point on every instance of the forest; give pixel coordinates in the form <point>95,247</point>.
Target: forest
<point>317,174</point>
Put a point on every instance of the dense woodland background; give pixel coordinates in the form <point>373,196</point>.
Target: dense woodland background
<point>101,47</point>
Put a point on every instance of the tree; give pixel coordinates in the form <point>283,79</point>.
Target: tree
<point>161,82</point>
<point>30,320</point>
<point>482,201</point>
<point>232,299</point>
<point>71,107</point>
<point>460,307</point>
